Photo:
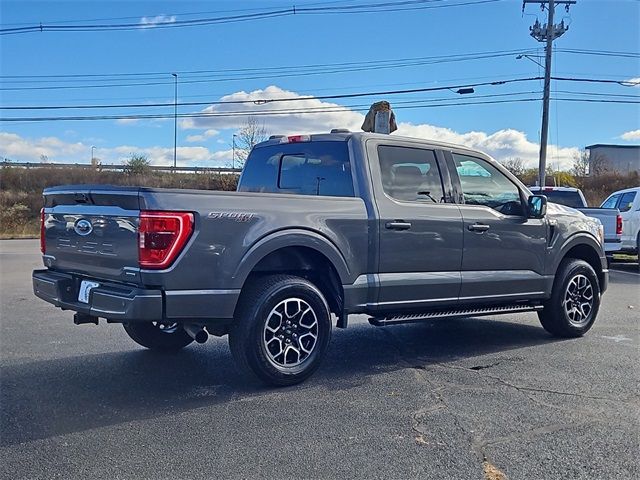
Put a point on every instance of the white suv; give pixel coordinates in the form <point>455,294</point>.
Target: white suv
<point>627,201</point>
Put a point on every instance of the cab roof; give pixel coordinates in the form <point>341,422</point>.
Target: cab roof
<point>345,135</point>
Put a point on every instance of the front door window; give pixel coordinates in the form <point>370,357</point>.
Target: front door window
<point>483,184</point>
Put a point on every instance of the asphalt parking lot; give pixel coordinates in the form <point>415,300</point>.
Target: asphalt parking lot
<point>460,399</point>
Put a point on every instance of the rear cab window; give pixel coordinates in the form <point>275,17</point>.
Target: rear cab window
<point>568,199</point>
<point>303,168</point>
<point>611,202</point>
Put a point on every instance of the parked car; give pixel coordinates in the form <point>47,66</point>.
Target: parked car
<point>574,198</point>
<point>628,203</point>
<point>400,229</point>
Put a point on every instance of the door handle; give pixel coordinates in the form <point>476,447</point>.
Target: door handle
<point>398,225</point>
<point>479,227</point>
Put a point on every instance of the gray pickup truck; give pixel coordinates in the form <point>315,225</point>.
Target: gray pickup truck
<point>321,227</point>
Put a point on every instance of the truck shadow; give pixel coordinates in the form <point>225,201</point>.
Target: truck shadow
<point>49,398</point>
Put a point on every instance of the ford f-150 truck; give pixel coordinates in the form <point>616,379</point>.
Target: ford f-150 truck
<point>321,227</point>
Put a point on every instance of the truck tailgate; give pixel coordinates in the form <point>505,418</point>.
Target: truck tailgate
<point>93,231</point>
<point>608,217</point>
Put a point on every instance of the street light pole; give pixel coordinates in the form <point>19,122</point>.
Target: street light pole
<point>175,121</point>
<point>233,151</point>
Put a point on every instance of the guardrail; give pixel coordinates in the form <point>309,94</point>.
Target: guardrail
<point>121,168</point>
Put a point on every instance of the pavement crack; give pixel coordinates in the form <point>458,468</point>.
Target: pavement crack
<point>482,367</point>
<point>525,388</point>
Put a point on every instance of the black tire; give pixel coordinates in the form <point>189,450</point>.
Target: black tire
<point>265,306</point>
<point>574,280</point>
<point>162,337</point>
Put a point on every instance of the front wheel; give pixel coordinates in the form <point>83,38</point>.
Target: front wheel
<point>164,337</point>
<point>575,300</point>
<point>281,330</point>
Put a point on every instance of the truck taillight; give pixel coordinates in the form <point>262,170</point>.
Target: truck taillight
<point>43,240</point>
<point>162,236</point>
<point>619,225</point>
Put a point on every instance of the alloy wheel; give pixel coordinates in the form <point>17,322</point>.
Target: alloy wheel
<point>290,333</point>
<point>578,300</point>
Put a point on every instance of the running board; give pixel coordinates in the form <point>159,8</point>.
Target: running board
<point>461,312</point>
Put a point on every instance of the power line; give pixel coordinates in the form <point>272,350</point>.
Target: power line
<point>307,110</point>
<point>241,71</point>
<point>184,104</point>
<point>318,97</point>
<point>390,6</point>
<point>325,69</point>
<point>262,101</point>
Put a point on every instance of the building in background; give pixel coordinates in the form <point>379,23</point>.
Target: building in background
<point>613,158</point>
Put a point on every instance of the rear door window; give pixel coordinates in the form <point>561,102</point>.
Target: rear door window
<point>626,201</point>
<point>410,174</point>
<point>305,168</point>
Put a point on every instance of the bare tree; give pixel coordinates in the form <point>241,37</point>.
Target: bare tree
<point>598,165</point>
<point>514,165</point>
<point>251,133</point>
<point>580,167</point>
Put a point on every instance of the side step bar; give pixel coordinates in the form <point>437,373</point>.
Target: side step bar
<point>461,312</point>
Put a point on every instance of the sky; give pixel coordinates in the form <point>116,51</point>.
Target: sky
<point>436,45</point>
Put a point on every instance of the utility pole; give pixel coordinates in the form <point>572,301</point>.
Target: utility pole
<point>175,121</point>
<point>233,151</point>
<point>547,33</point>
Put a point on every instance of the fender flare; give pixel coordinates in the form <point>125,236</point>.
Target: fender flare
<point>580,238</point>
<point>295,237</point>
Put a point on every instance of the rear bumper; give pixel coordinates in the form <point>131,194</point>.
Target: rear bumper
<point>126,303</point>
<point>113,301</point>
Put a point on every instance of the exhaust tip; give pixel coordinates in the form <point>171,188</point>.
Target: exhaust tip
<point>201,336</point>
<point>196,332</point>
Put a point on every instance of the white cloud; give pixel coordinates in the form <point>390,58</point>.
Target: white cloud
<point>501,145</point>
<point>15,147</point>
<point>633,82</point>
<point>23,149</point>
<point>150,22</point>
<point>631,135</point>
<point>339,117</point>
<point>127,121</point>
<point>201,138</point>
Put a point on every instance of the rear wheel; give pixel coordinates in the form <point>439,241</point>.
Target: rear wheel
<point>575,300</point>
<point>160,336</point>
<point>282,329</point>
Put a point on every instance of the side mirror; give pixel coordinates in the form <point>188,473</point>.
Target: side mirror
<point>537,205</point>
